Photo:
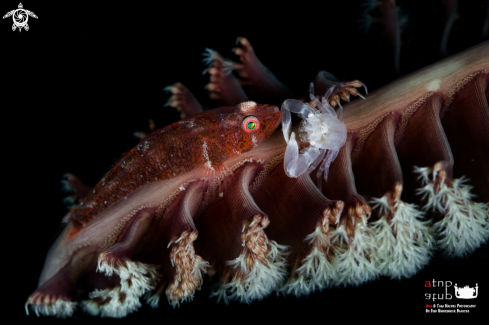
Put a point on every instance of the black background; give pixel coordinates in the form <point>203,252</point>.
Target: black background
<point>85,77</point>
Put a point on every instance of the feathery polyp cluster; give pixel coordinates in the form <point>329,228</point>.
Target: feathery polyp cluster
<point>465,225</point>
<point>318,269</point>
<point>258,269</point>
<point>60,308</point>
<point>136,279</point>
<point>116,303</point>
<point>404,241</point>
<point>355,262</point>
<point>322,129</point>
<point>190,269</point>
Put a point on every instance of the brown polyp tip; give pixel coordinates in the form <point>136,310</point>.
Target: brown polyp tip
<point>174,238</point>
<point>37,299</point>
<point>396,193</point>
<point>350,229</point>
<point>47,300</point>
<point>367,210</point>
<point>359,209</point>
<point>327,213</point>
<point>339,205</point>
<point>442,174</point>
<point>265,222</point>
<point>244,41</point>
<point>439,166</point>
<point>350,212</point>
<point>193,235</point>
<point>31,298</point>
<point>352,91</point>
<point>355,83</point>
<point>344,95</point>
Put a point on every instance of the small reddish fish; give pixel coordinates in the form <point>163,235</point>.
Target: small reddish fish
<point>207,139</point>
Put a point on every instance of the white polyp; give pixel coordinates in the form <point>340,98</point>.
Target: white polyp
<point>153,300</point>
<point>463,229</point>
<point>339,237</point>
<point>322,129</point>
<point>200,268</point>
<point>355,263</point>
<point>403,246</point>
<point>385,242</point>
<point>423,174</point>
<point>260,281</point>
<point>210,56</point>
<point>382,205</point>
<point>465,225</point>
<point>220,292</point>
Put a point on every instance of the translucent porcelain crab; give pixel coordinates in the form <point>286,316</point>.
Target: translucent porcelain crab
<point>322,129</point>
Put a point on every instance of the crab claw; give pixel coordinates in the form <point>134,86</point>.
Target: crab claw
<point>321,129</point>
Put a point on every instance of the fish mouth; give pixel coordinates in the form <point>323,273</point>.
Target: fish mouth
<point>272,110</point>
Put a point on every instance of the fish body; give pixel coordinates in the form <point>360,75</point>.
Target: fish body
<point>207,139</point>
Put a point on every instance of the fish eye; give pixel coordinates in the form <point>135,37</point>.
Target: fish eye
<point>250,124</point>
